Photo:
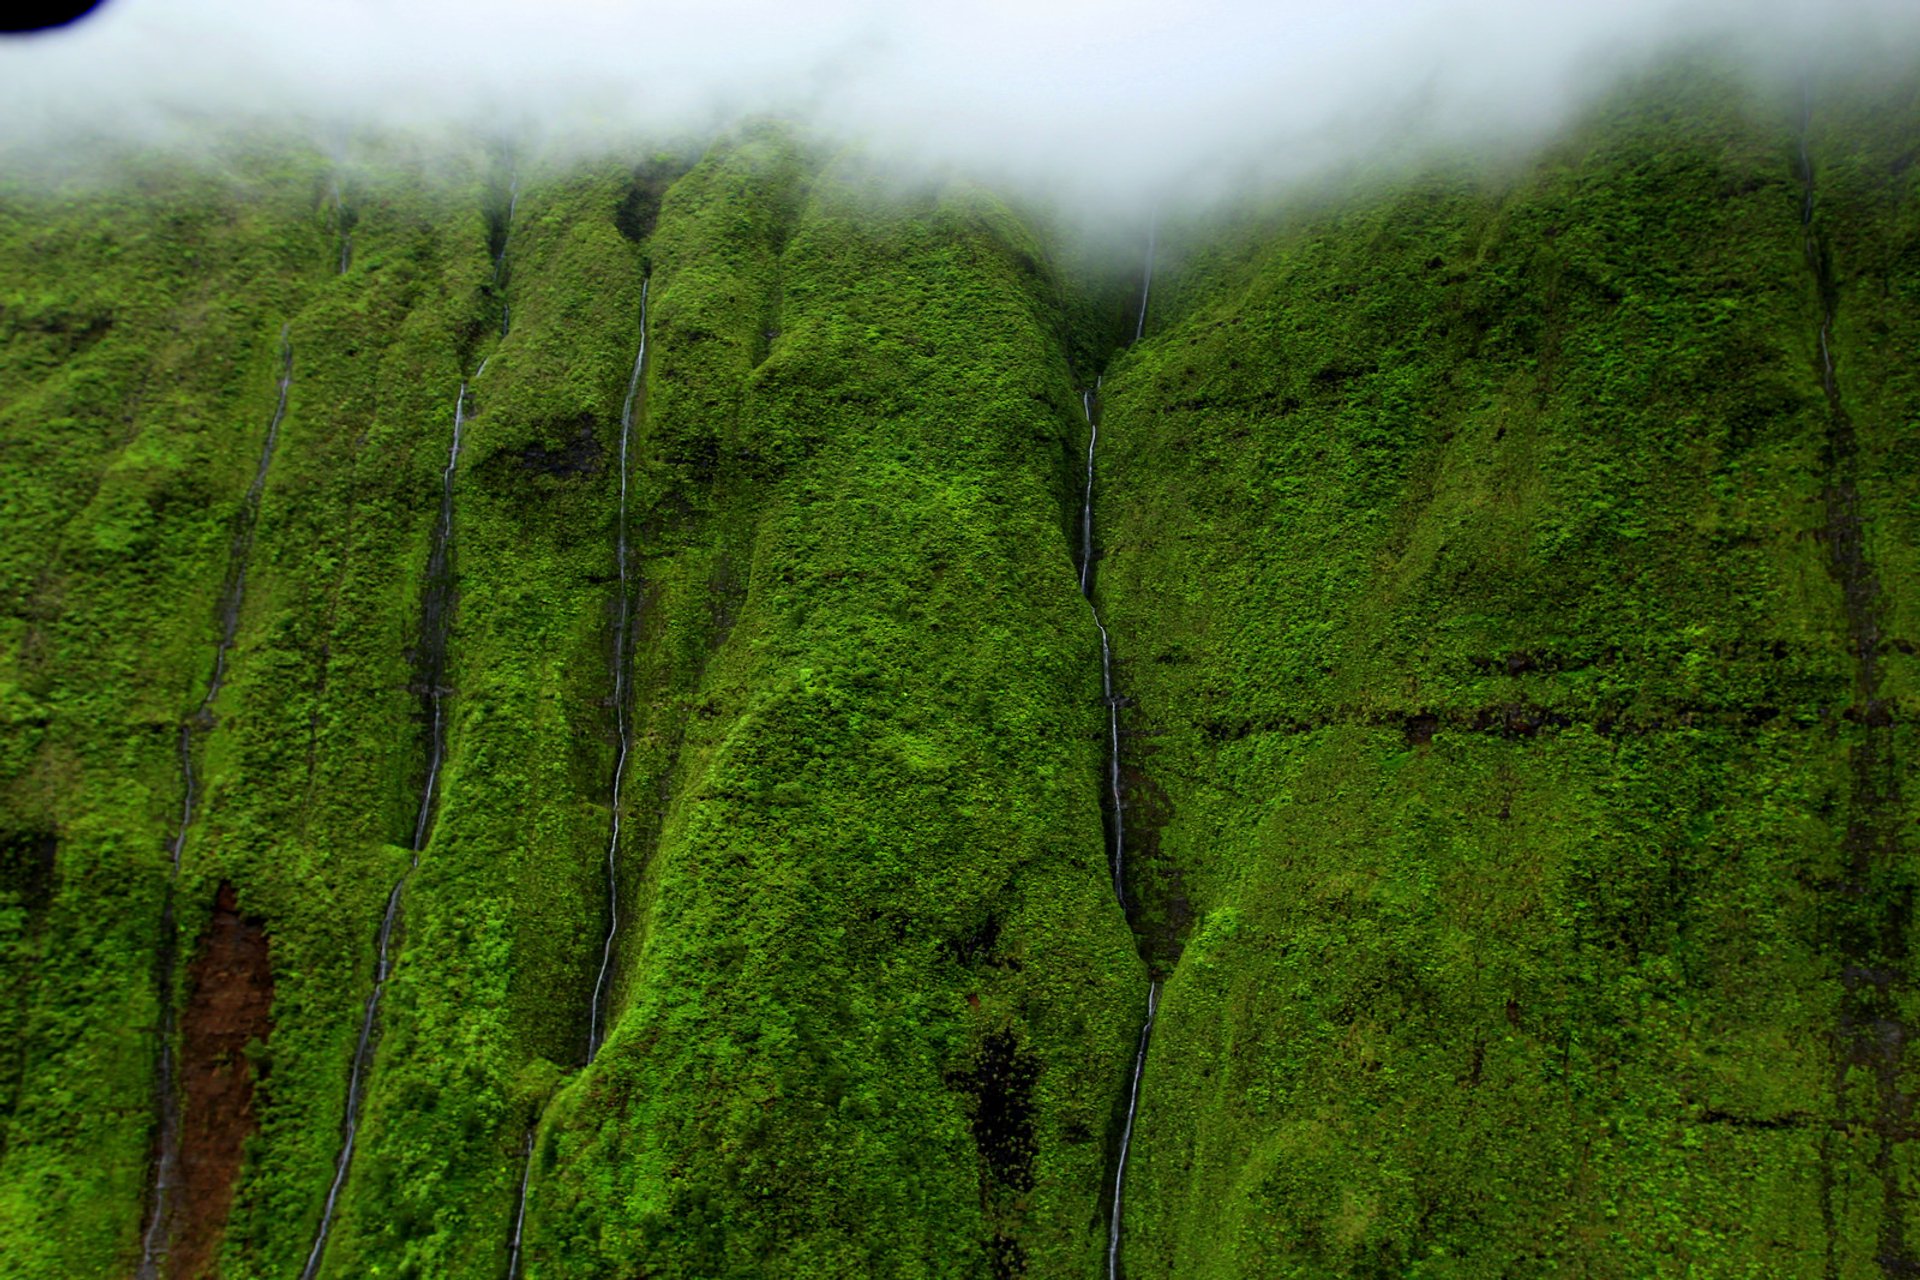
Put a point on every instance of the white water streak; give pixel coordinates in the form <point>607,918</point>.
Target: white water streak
<point>625,732</point>
<point>1146,284</point>
<point>389,921</point>
<point>1126,1135</point>
<point>153,1238</point>
<point>438,564</point>
<point>520,1213</point>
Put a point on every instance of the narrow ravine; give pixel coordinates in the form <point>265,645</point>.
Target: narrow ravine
<point>431,662</point>
<point>1115,804</point>
<point>1872,918</point>
<point>623,728</point>
<point>597,1008</point>
<point>154,1235</point>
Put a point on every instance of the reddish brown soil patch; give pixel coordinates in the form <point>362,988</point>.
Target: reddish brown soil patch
<point>229,1005</point>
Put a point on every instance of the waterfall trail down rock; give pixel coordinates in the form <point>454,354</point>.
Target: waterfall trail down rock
<point>520,1211</point>
<point>500,258</point>
<point>624,730</point>
<point>1146,283</point>
<point>1126,1135</point>
<point>154,1235</point>
<point>436,616</point>
<point>1115,799</point>
<point>1117,859</point>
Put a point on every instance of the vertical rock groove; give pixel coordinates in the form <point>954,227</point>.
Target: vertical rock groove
<point>1871,917</point>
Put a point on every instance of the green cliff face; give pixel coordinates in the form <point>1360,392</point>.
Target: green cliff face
<point>1512,626</point>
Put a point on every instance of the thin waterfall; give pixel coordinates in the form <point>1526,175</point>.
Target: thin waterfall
<point>623,623</point>
<point>1114,799</point>
<point>624,731</point>
<point>500,258</point>
<point>1126,1134</point>
<point>1146,284</point>
<point>1117,859</point>
<point>166,1160</point>
<point>520,1211</point>
<point>434,621</point>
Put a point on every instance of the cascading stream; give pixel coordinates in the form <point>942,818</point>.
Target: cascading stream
<point>1115,802</point>
<point>1117,859</point>
<point>520,1210</point>
<point>1126,1134</point>
<point>166,1160</point>
<point>500,258</point>
<point>623,729</point>
<point>436,615</point>
<point>1146,283</point>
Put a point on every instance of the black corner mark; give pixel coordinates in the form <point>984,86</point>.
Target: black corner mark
<point>24,16</point>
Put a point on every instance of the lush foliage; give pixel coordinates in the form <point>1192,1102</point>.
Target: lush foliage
<point>1514,632</point>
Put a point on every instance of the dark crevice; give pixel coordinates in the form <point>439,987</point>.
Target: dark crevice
<point>29,863</point>
<point>639,208</point>
<point>1523,720</point>
<point>999,1083</point>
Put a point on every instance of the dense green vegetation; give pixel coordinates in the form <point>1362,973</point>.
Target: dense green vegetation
<point>1496,716</point>
<point>1513,629</point>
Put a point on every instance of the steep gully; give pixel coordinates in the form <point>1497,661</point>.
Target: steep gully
<point>597,1008</point>
<point>1871,916</point>
<point>1115,801</point>
<point>155,1234</point>
<point>431,663</point>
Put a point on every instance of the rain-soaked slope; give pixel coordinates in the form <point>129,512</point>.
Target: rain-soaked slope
<point>305,780</point>
<point>1497,717</point>
<point>488,1000</point>
<point>1515,647</point>
<point>882,1006</point>
<point>141,356</point>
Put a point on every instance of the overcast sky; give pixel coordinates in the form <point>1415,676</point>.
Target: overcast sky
<point>1108,98</point>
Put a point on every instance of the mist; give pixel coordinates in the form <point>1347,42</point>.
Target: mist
<point>1116,103</point>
